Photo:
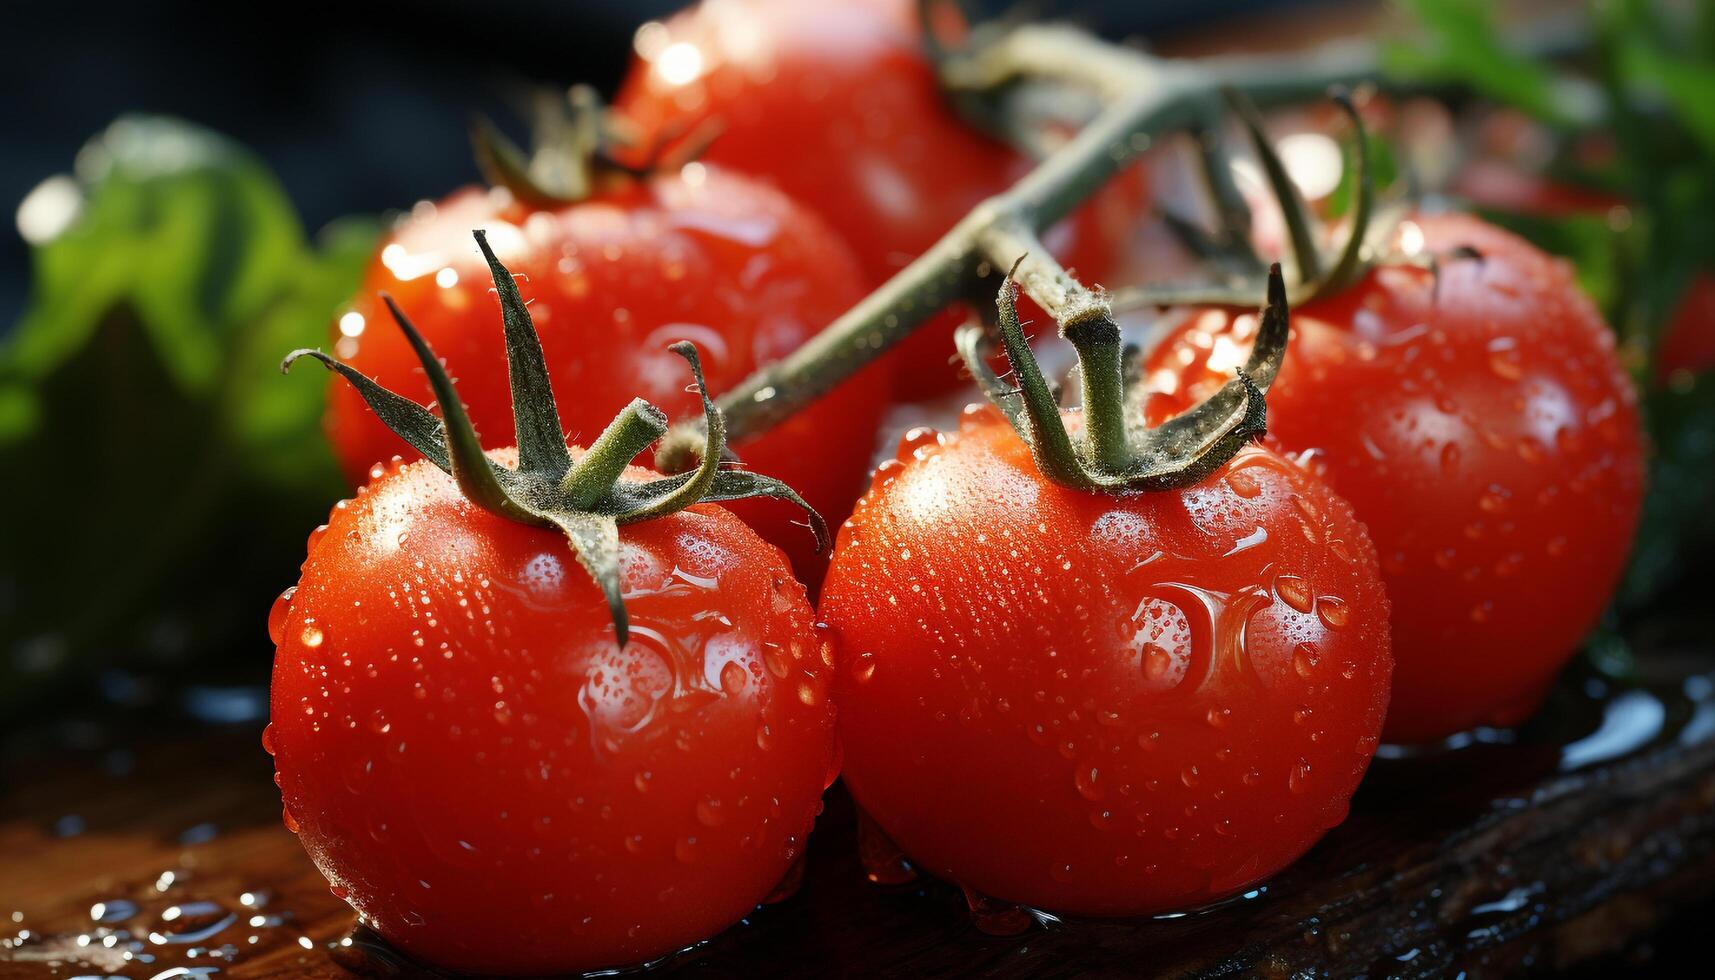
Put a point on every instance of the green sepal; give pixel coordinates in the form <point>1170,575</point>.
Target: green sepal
<point>1300,227</point>
<point>1179,453</point>
<point>587,499</point>
<point>535,418</point>
<point>407,419</point>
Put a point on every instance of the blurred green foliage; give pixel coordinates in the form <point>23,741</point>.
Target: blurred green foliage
<point>161,474</point>
<point>1645,89</point>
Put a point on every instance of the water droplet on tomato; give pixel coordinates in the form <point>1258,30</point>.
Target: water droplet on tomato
<point>1333,611</point>
<point>1298,778</point>
<point>268,738</point>
<point>311,637</point>
<point>290,819</point>
<point>1244,483</point>
<point>1304,659</point>
<point>1087,780</point>
<point>1295,592</point>
<point>994,917</point>
<point>710,812</point>
<point>863,667</point>
<point>277,615</point>
<point>687,850</point>
<point>734,678</point>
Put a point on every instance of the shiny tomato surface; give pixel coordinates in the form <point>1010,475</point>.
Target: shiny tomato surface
<point>1485,433</point>
<point>491,782</point>
<point>703,255</point>
<point>1103,705</point>
<point>836,104</point>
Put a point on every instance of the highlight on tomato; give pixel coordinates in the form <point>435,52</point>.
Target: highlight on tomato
<point>837,104</point>
<point>536,710</point>
<point>616,266</point>
<point>1096,669</point>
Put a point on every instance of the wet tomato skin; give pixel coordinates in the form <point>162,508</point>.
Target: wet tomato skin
<point>494,785</point>
<point>1103,705</point>
<point>1486,434</point>
<point>836,104</point>
<point>708,256</point>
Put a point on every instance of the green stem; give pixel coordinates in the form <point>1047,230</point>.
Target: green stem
<point>599,468</point>
<point>1144,96</point>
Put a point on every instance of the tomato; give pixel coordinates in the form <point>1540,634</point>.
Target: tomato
<point>1688,341</point>
<point>1504,187</point>
<point>705,256</point>
<point>495,785</point>
<point>836,104</point>
<point>1487,435</point>
<point>1095,704</point>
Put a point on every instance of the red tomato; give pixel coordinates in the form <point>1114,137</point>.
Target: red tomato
<point>497,787</point>
<point>1505,187</point>
<point>836,105</point>
<point>709,257</point>
<point>1103,705</point>
<point>1688,343</point>
<point>1486,434</point>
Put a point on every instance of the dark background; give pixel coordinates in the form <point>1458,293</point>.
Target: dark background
<point>357,109</point>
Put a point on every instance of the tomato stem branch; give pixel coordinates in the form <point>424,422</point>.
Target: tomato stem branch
<point>1144,97</point>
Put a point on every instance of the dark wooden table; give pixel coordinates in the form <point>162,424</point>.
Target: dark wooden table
<point>1580,842</point>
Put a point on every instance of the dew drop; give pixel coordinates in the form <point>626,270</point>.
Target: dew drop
<point>734,678</point>
<point>710,812</point>
<point>1304,659</point>
<point>277,615</point>
<point>311,637</point>
<point>1298,779</point>
<point>863,667</point>
<point>1087,780</point>
<point>268,738</point>
<point>290,819</point>
<point>1333,611</point>
<point>1295,592</point>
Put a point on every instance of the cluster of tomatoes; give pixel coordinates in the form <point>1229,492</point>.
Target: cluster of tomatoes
<point>1088,703</point>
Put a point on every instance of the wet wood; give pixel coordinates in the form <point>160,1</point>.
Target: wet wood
<point>1492,859</point>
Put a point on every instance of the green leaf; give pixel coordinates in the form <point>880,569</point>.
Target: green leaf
<point>1463,44</point>
<point>156,460</point>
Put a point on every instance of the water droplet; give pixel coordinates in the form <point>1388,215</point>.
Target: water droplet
<point>311,637</point>
<point>775,659</point>
<point>290,819</point>
<point>1087,780</point>
<point>1218,717</point>
<point>277,616</point>
<point>1295,592</point>
<point>1334,611</point>
<point>1298,778</point>
<point>734,678</point>
<point>1450,455</point>
<point>1157,664</point>
<point>268,738</point>
<point>687,850</point>
<point>710,812</point>
<point>863,667</point>
<point>994,917</point>
<point>1244,483</point>
<point>1304,659</point>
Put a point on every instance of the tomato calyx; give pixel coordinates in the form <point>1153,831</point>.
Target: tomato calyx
<point>576,151</point>
<point>588,497</point>
<point>1115,452</point>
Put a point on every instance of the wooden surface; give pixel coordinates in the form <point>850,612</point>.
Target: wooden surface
<point>1579,842</point>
